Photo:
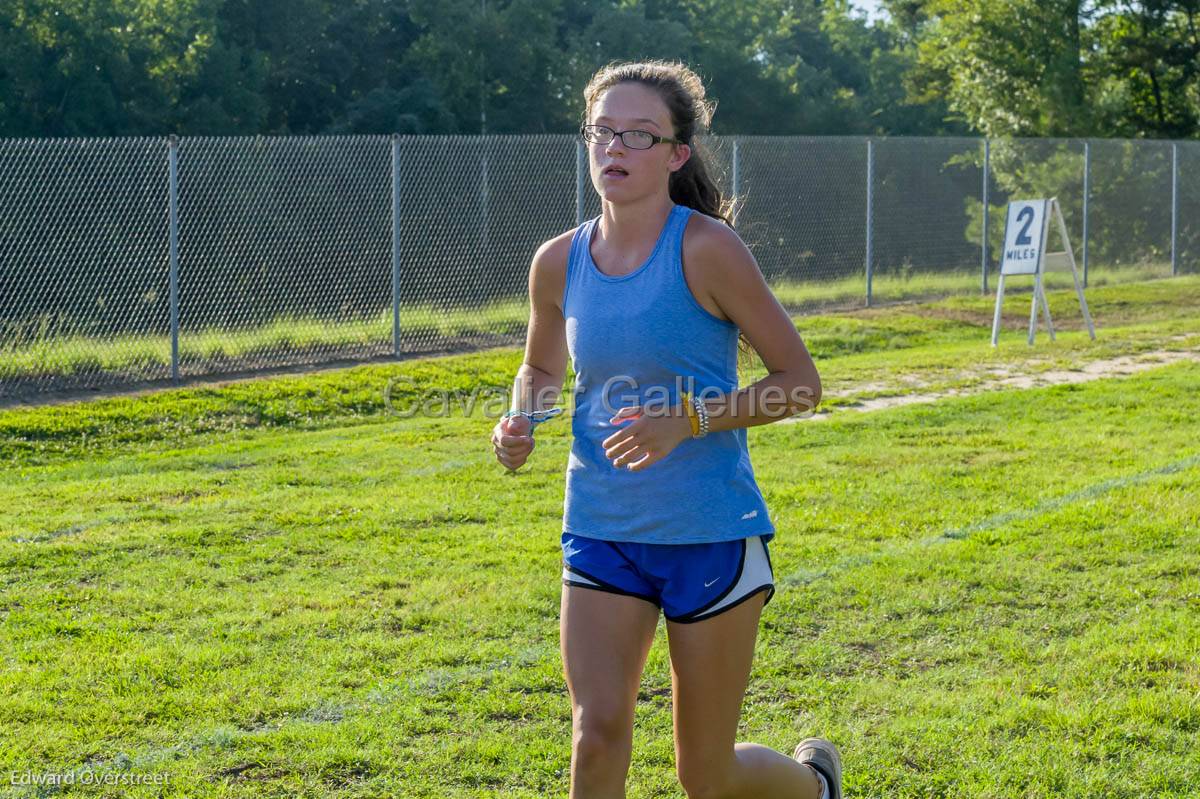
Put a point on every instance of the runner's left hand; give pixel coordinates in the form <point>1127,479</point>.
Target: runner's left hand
<point>646,439</point>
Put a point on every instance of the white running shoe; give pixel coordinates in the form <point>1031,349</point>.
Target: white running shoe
<point>823,756</point>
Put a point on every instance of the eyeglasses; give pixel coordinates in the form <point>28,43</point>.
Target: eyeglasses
<point>633,139</point>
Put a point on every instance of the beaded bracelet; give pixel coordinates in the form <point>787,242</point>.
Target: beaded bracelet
<point>702,412</point>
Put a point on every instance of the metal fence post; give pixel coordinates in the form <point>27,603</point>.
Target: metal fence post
<point>1174,209</point>
<point>396,244</point>
<point>983,247</point>
<point>580,171</point>
<point>1087,190</point>
<point>737,180</point>
<point>870,214</point>
<point>485,203</point>
<point>173,235</point>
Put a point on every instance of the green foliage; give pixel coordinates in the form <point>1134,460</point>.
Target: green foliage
<point>1021,68</point>
<point>209,67</point>
<point>1060,67</point>
<point>1008,69</point>
<point>1146,68</point>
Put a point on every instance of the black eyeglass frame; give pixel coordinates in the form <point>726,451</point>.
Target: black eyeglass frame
<point>654,139</point>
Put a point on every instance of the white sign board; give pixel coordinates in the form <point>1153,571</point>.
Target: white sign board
<point>1024,235</point>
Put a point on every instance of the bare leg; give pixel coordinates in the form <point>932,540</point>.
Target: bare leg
<point>710,667</point>
<point>605,639</point>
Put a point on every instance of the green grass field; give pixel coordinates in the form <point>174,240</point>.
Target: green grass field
<point>282,588</point>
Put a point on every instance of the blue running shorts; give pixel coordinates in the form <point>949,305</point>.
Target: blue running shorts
<point>690,582</point>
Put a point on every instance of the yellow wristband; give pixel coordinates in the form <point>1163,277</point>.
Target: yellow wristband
<point>691,413</point>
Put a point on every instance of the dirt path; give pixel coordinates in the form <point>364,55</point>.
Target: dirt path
<point>1004,378</point>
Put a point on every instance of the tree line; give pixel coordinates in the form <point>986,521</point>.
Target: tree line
<point>1062,68</point>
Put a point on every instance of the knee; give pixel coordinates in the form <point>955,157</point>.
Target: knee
<point>602,740</point>
<point>705,780</point>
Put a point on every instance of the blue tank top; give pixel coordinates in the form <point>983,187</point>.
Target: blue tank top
<point>643,338</point>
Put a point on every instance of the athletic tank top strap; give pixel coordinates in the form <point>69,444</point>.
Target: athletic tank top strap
<point>666,258</point>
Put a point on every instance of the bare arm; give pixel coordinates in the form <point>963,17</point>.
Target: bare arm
<point>539,380</point>
<point>793,384</point>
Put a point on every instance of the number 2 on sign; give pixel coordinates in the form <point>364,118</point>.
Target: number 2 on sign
<point>1025,213</point>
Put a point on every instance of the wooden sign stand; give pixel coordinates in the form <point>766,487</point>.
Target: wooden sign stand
<point>1026,237</point>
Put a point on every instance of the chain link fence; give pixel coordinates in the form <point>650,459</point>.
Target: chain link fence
<point>134,261</point>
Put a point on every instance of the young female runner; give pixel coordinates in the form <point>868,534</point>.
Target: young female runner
<point>662,509</point>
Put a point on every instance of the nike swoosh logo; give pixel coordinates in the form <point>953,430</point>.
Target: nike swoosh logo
<point>706,585</point>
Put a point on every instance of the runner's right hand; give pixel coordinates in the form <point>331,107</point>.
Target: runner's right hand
<point>512,442</point>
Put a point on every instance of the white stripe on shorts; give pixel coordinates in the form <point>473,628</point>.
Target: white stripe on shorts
<point>756,572</point>
<point>577,578</point>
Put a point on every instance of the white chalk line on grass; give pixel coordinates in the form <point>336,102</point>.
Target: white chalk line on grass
<point>807,576</point>
<point>435,681</point>
<point>438,680</point>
